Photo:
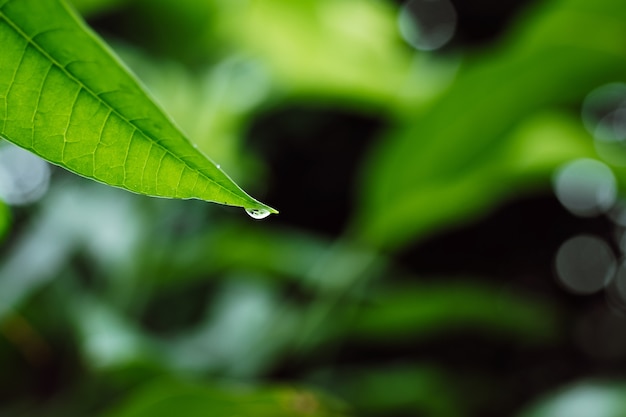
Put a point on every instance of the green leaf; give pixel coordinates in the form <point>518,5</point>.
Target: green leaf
<point>353,53</point>
<point>169,398</point>
<point>427,311</point>
<point>403,388</point>
<point>5,219</point>
<point>454,161</point>
<point>65,97</point>
<point>524,160</point>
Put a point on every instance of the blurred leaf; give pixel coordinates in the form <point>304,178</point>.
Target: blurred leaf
<point>166,399</point>
<point>109,231</point>
<point>277,253</point>
<point>347,51</point>
<point>244,329</point>
<point>108,339</point>
<point>5,219</point>
<point>346,48</point>
<point>539,144</point>
<point>69,100</point>
<point>401,389</point>
<point>591,398</point>
<point>533,150</point>
<point>431,310</point>
<point>448,164</point>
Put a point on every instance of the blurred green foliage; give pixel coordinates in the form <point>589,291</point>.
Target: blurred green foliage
<point>118,305</point>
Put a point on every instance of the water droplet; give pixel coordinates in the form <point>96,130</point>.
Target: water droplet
<point>257,213</point>
<point>585,264</point>
<point>218,166</point>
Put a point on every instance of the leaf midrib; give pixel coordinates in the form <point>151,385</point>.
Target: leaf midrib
<point>71,76</point>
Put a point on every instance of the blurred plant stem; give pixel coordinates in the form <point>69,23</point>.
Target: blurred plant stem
<point>339,280</point>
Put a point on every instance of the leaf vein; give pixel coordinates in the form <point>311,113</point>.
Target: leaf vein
<point>100,135</point>
<point>145,163</point>
<point>124,164</point>
<point>156,177</point>
<point>180,178</point>
<point>40,95</point>
<point>69,122</point>
<point>70,75</point>
<point>11,84</point>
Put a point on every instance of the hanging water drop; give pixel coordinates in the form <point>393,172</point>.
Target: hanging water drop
<point>257,213</point>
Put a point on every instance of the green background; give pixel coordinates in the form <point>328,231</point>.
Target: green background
<point>410,271</point>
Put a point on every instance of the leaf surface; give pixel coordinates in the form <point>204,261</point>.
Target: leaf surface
<point>65,97</point>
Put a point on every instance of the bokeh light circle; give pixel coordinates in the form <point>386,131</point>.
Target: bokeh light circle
<point>604,116</point>
<point>585,264</point>
<point>24,177</point>
<point>585,187</point>
<point>427,24</point>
